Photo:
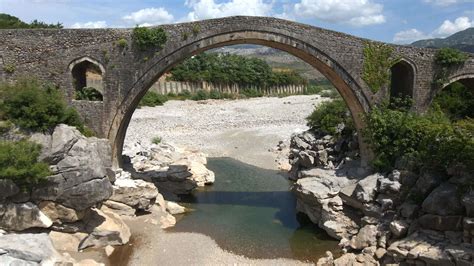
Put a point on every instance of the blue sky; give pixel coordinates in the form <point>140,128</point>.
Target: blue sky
<point>398,21</point>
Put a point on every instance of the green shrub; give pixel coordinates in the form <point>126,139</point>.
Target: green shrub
<point>152,99</point>
<point>122,43</point>
<point>156,140</point>
<point>89,94</point>
<point>5,126</point>
<point>146,38</point>
<point>200,95</point>
<point>331,93</point>
<point>456,101</point>
<point>36,107</point>
<point>9,68</point>
<point>312,89</point>
<point>449,57</point>
<point>377,62</point>
<point>196,29</point>
<point>331,117</point>
<point>251,93</point>
<point>430,140</point>
<point>19,163</point>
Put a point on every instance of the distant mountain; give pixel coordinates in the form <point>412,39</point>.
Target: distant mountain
<point>463,40</point>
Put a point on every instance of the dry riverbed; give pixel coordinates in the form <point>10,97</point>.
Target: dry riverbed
<point>241,129</point>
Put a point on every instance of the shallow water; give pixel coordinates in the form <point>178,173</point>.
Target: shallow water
<point>250,211</point>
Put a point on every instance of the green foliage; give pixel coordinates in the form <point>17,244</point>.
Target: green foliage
<point>232,69</point>
<point>450,57</point>
<point>36,107</point>
<point>12,22</point>
<point>19,163</point>
<point>185,35</point>
<point>430,140</point>
<point>9,68</point>
<point>251,93</point>
<point>196,29</point>
<point>89,94</point>
<point>122,43</point>
<point>456,101</point>
<point>152,99</point>
<point>312,89</point>
<point>332,93</point>
<point>156,140</point>
<point>5,126</point>
<point>377,62</point>
<point>331,117</point>
<point>147,38</point>
<point>200,95</point>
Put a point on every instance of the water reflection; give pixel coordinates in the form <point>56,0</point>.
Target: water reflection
<point>250,211</point>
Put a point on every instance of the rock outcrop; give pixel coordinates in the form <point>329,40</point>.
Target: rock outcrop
<point>395,218</point>
<point>170,168</point>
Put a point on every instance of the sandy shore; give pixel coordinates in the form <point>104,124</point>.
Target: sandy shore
<point>244,130</point>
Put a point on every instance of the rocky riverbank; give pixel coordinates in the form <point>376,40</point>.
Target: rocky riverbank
<point>401,217</point>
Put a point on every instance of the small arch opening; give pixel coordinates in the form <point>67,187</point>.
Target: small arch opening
<point>402,80</point>
<point>87,80</point>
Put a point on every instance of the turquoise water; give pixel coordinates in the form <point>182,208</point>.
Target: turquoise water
<point>250,211</point>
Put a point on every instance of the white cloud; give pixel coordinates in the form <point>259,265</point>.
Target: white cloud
<point>409,36</point>
<point>89,25</point>
<point>206,9</point>
<point>441,2</point>
<point>448,27</point>
<point>354,12</point>
<point>149,17</point>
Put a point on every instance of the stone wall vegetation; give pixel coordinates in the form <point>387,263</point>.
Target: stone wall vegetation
<point>378,58</point>
<point>149,38</point>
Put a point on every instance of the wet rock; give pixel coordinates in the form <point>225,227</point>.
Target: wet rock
<point>443,200</point>
<point>18,217</point>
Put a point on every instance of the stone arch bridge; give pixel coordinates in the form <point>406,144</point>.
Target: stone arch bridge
<point>60,56</point>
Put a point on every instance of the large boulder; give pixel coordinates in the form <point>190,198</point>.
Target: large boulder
<point>366,189</point>
<point>59,213</point>
<point>135,193</point>
<point>366,237</point>
<point>7,189</point>
<point>18,217</point>
<point>444,200</point>
<point>80,168</point>
<point>107,228</point>
<point>28,249</point>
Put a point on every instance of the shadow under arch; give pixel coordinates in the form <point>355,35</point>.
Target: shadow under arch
<point>346,85</point>
<point>403,75</point>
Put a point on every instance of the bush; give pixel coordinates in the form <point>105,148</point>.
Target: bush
<point>152,99</point>
<point>156,140</point>
<point>89,94</point>
<point>312,89</point>
<point>429,140</point>
<point>19,163</point>
<point>449,57</point>
<point>331,93</point>
<point>331,117</point>
<point>146,38</point>
<point>122,43</point>
<point>251,93</point>
<point>36,107</point>
<point>200,95</point>
<point>456,101</point>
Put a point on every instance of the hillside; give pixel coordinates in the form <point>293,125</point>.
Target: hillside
<point>463,40</point>
<point>275,58</point>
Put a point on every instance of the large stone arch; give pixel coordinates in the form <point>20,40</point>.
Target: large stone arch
<point>403,79</point>
<point>344,82</point>
<point>466,79</point>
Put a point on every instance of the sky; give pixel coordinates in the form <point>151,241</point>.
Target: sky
<point>395,21</point>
